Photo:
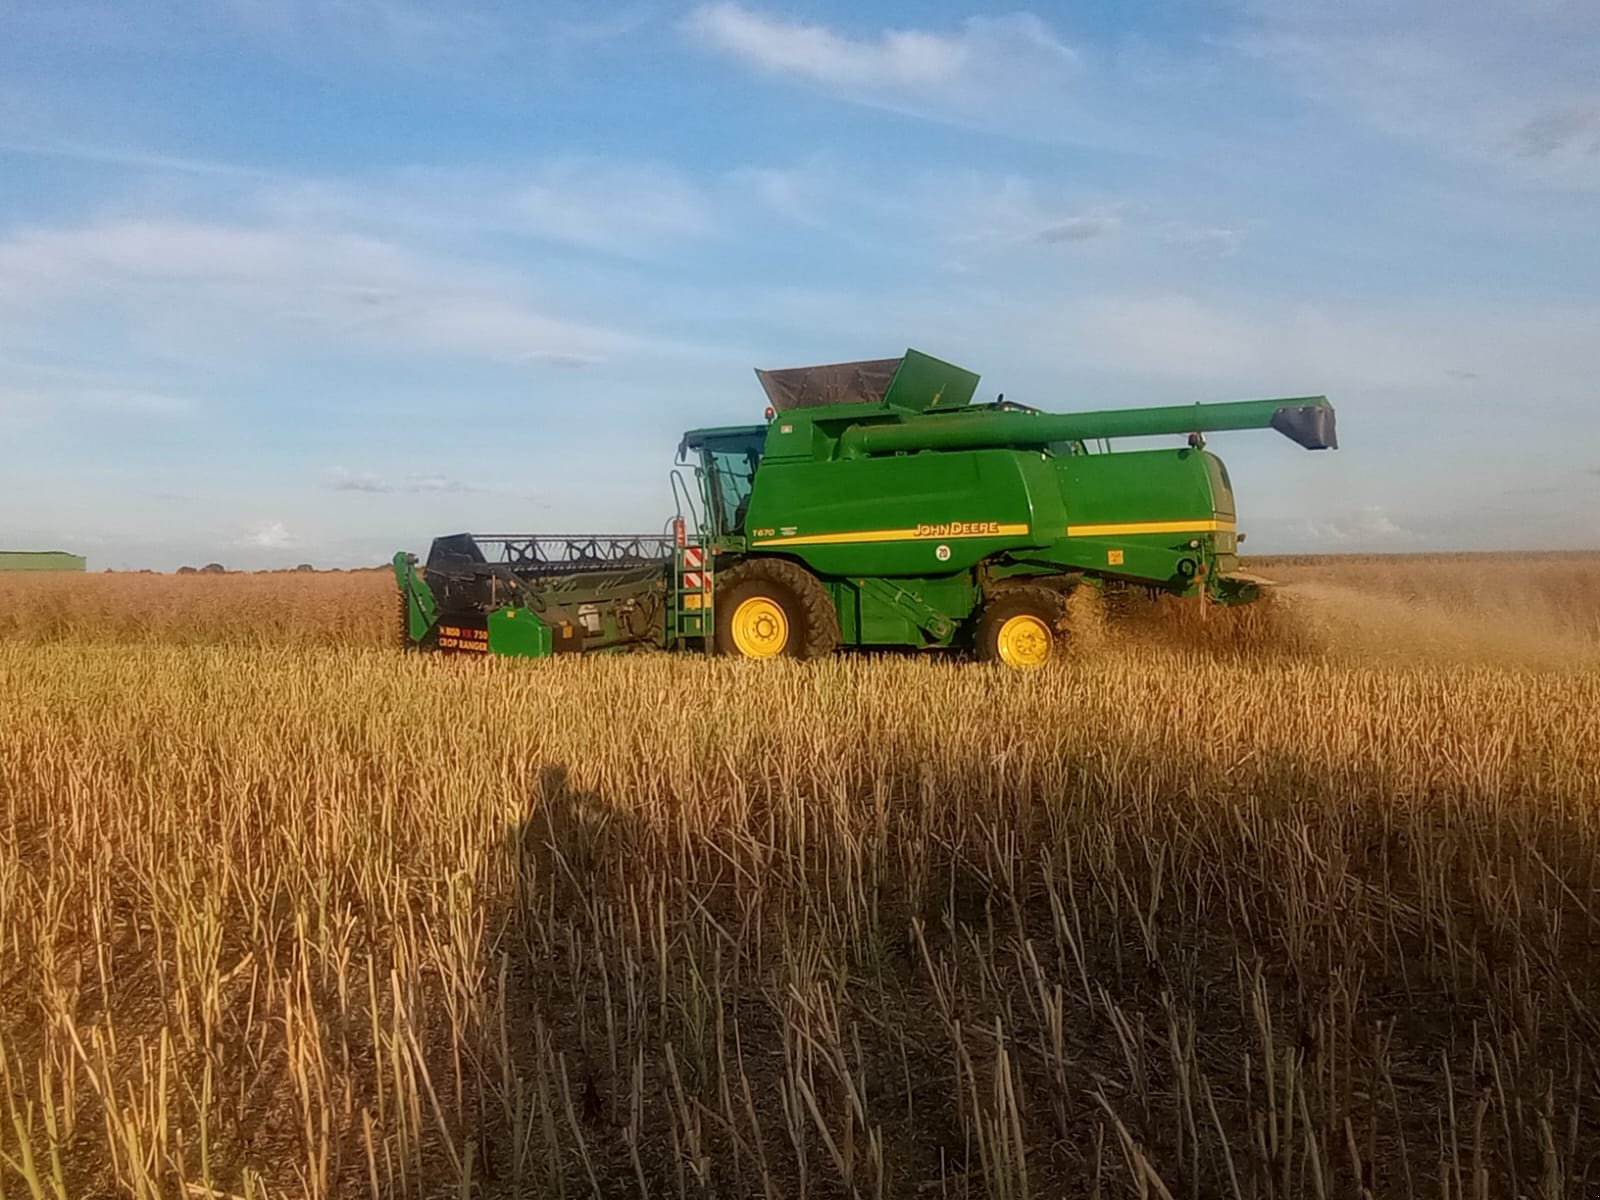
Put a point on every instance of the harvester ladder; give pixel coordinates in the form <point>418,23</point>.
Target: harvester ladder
<point>692,615</point>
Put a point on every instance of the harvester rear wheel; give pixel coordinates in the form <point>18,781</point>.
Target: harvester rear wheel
<point>770,608</point>
<point>1023,627</point>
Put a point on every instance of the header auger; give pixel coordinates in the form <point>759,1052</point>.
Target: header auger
<point>876,505</point>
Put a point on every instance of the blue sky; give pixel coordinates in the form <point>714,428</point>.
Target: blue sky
<point>284,280</point>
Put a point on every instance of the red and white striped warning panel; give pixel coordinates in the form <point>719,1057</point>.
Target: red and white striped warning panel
<point>694,580</point>
<point>694,556</point>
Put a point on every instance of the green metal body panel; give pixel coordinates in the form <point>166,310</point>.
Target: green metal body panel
<point>915,514</point>
<point>416,597</point>
<point>875,611</point>
<point>519,633</point>
<point>924,383</point>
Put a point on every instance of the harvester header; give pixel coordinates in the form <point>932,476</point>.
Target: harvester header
<point>876,505</point>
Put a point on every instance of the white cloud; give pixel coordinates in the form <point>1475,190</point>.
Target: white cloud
<point>1019,212</point>
<point>988,69</point>
<point>931,211</point>
<point>1366,526</point>
<point>805,194</point>
<point>553,358</point>
<point>1079,227</point>
<point>981,222</point>
<point>610,206</point>
<point>397,29</point>
<point>434,483</point>
<point>44,399</point>
<point>1204,241</point>
<point>122,156</point>
<point>633,209</point>
<point>341,479</point>
<point>1394,348</point>
<point>32,393</point>
<point>1510,83</point>
<point>199,287</point>
<point>273,535</point>
<point>894,58</point>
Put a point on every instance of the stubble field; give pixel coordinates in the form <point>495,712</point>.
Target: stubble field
<point>1302,900</point>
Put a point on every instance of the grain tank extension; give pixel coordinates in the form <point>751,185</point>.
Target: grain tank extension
<point>876,505</point>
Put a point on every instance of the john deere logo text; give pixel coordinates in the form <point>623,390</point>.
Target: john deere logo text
<point>958,529</point>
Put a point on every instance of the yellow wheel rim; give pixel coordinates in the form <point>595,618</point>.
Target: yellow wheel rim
<point>1024,641</point>
<point>760,628</point>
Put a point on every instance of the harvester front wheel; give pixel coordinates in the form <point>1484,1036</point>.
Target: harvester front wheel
<point>770,608</point>
<point>1023,627</point>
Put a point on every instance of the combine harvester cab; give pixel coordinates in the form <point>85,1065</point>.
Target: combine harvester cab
<point>876,505</point>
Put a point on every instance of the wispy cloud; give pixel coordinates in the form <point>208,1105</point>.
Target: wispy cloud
<point>33,392</point>
<point>1570,128</point>
<point>342,479</point>
<point>1204,241</point>
<point>396,29</point>
<point>1367,526</point>
<point>618,207</point>
<point>895,58</point>
<point>270,535</point>
<point>195,283</point>
<point>987,67</point>
<point>1016,211</point>
<point>610,206</point>
<point>553,358</point>
<point>1510,83</point>
<point>1082,227</point>
<point>1403,351</point>
<point>130,157</point>
<point>44,399</point>
<point>976,215</point>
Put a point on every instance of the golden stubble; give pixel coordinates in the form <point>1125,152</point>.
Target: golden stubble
<point>1221,908</point>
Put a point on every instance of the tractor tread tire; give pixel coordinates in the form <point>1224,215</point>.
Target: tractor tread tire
<point>813,619</point>
<point>1015,600</point>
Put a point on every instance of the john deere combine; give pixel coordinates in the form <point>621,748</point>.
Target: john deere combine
<point>876,505</point>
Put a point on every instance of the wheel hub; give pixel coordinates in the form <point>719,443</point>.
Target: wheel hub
<point>760,627</point>
<point>1024,641</point>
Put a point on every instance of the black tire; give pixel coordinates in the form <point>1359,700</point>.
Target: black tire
<point>812,620</point>
<point>1043,604</point>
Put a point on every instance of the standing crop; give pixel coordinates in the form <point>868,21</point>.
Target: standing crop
<point>285,921</point>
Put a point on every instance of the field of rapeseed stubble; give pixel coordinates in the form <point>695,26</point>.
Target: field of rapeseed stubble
<point>1286,903</point>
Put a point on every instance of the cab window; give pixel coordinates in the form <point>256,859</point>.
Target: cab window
<point>730,465</point>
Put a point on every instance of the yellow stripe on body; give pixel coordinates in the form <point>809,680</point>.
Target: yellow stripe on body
<point>1127,527</point>
<point>888,535</point>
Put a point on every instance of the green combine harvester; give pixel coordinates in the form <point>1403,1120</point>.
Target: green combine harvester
<point>876,505</point>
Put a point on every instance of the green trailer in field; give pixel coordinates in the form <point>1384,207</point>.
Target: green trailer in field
<point>875,505</point>
<point>41,560</point>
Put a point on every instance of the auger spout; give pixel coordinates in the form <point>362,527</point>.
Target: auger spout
<point>1306,420</point>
